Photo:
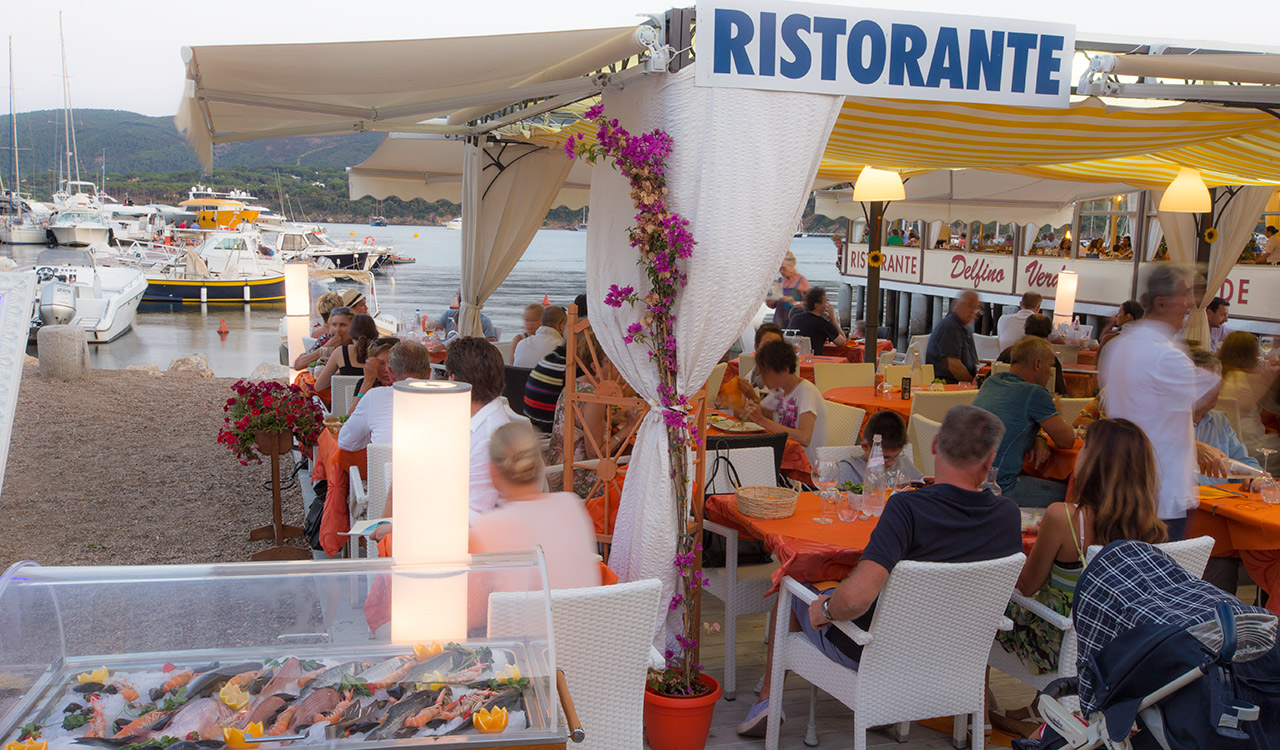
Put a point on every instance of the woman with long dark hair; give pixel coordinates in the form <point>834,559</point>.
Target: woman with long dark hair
<point>349,359</point>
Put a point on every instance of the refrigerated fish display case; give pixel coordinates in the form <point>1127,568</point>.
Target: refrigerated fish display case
<point>340,654</point>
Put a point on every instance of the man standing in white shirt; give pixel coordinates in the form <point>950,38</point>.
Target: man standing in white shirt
<point>370,420</point>
<point>1010,328</point>
<point>530,350</point>
<point>475,361</point>
<point>1150,381</point>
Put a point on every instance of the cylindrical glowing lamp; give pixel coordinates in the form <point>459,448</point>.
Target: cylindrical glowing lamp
<point>430,468</point>
<point>1064,304</point>
<point>1187,194</point>
<point>878,185</point>
<point>297,305</point>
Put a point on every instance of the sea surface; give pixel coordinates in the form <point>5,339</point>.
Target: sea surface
<point>554,265</point>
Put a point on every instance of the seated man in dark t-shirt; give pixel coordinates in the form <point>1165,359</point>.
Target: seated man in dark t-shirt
<point>819,323</point>
<point>950,521</point>
<point>951,350</point>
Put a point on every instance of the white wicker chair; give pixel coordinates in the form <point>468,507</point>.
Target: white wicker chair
<point>717,377</point>
<point>935,404</point>
<point>1067,354</point>
<point>368,498</point>
<point>1191,554</point>
<point>844,423</point>
<point>746,363</point>
<point>988,347</point>
<point>828,375</point>
<point>342,390</point>
<point>506,349</point>
<point>920,344</point>
<point>999,367</point>
<point>893,374</point>
<point>924,656</point>
<point>603,636</point>
<point>1070,408</point>
<point>920,434</point>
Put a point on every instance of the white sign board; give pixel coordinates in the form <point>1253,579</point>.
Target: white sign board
<point>1250,290</point>
<point>1101,281</point>
<point>828,49</point>
<point>900,263</point>
<point>983,272</point>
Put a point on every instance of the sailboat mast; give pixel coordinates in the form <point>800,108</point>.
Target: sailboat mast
<point>73,155</point>
<point>13,121</point>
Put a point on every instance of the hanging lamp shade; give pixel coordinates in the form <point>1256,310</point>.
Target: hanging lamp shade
<point>1187,194</point>
<point>878,185</point>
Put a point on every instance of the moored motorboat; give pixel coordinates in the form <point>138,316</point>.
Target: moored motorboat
<point>225,267</point>
<point>72,289</point>
<point>78,226</point>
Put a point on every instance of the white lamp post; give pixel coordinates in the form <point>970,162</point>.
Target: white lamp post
<point>1187,194</point>
<point>876,186</point>
<point>430,460</point>
<point>1064,304</point>
<point>297,306</point>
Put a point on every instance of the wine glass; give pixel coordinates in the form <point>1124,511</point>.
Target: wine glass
<point>1264,343</point>
<point>826,474</point>
<point>1266,485</point>
<point>991,483</point>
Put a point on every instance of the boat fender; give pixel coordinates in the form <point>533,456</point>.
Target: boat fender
<point>369,240</point>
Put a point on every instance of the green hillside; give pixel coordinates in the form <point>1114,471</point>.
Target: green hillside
<point>132,142</point>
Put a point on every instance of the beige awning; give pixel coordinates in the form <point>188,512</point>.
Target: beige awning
<point>1262,69</point>
<point>409,165</point>
<point>251,92</point>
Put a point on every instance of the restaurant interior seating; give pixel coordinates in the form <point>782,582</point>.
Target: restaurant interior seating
<point>893,374</point>
<point>844,423</point>
<point>828,375</point>
<point>367,499</point>
<point>716,378</point>
<point>342,391</point>
<point>935,404</point>
<point>920,434</point>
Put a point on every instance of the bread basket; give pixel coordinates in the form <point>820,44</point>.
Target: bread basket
<point>765,502</point>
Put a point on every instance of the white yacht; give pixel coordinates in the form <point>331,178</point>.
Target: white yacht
<point>453,223</point>
<point>72,289</point>
<point>25,222</point>
<point>226,267</point>
<point>312,243</point>
<point>79,226</point>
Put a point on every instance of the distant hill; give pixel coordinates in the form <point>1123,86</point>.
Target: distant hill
<point>137,143</point>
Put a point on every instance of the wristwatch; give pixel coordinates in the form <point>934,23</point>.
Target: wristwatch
<point>826,612</point>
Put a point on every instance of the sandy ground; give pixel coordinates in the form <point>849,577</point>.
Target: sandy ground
<point>124,468</point>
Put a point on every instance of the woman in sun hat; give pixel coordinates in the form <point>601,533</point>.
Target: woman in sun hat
<point>355,300</point>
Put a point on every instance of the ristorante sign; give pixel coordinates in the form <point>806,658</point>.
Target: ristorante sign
<point>825,49</point>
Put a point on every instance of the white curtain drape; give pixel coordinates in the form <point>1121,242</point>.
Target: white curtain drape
<point>1029,233</point>
<point>931,231</point>
<point>1179,233</point>
<point>1235,227</point>
<point>743,191</point>
<point>1155,232</point>
<point>507,190</point>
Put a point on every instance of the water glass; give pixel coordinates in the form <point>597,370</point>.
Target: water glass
<point>826,474</point>
<point>1269,489</point>
<point>849,506</point>
<point>831,504</point>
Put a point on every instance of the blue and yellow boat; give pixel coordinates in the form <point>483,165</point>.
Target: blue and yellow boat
<point>228,266</point>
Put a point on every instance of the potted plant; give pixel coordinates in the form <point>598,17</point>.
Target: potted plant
<point>679,699</point>
<point>266,416</point>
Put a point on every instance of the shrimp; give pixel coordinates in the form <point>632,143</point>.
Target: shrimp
<point>178,680</point>
<point>429,713</point>
<point>142,722</point>
<point>126,689</point>
<point>466,704</point>
<point>394,677</point>
<point>337,712</point>
<point>245,679</point>
<point>97,724</point>
<point>470,674</point>
<point>282,721</point>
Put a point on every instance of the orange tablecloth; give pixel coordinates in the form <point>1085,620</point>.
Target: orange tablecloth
<point>332,464</point>
<point>307,382</point>
<point>855,351</point>
<point>1087,357</point>
<point>1242,523</point>
<point>864,397</point>
<point>1081,384</point>
<point>1060,464</point>
<point>805,369</point>
<point>806,551</point>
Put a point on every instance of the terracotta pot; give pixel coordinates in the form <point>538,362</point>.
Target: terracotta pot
<point>273,442</point>
<point>677,722</point>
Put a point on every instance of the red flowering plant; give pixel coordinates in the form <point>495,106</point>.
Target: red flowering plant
<point>664,243</point>
<point>268,405</point>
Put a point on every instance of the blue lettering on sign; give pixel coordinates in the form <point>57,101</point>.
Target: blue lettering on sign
<point>733,30</point>
<point>1021,44</point>
<point>946,60</point>
<point>986,62</point>
<point>1048,64</point>
<point>830,29</point>
<point>907,44</point>
<point>870,32</point>
<point>768,43</point>
<point>798,67</point>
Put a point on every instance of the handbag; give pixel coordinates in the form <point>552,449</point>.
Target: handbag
<point>714,549</point>
<point>311,526</point>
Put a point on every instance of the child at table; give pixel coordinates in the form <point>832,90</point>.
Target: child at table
<point>794,405</point>
<point>893,438</point>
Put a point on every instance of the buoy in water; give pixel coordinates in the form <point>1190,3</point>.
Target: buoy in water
<point>415,234</point>
<point>222,326</point>
<point>546,300</point>
<point>353,234</point>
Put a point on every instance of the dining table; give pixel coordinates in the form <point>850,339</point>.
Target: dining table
<point>855,350</point>
<point>333,465</point>
<point>865,397</point>
<point>807,551</point>
<point>1242,523</point>
<point>804,365</point>
<point>1060,464</point>
<point>795,460</point>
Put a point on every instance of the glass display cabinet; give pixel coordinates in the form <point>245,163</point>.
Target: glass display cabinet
<point>333,653</point>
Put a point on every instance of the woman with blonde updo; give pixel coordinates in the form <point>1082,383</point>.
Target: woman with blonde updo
<point>529,517</point>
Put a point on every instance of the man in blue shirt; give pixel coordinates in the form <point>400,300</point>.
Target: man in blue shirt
<point>1212,427</point>
<point>951,350</point>
<point>1020,399</point>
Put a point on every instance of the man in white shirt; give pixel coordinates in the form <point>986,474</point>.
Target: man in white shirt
<point>475,361</point>
<point>370,420</point>
<point>530,351</point>
<point>1010,328</point>
<point>1150,381</point>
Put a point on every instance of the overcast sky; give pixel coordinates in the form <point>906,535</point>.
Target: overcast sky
<point>125,54</point>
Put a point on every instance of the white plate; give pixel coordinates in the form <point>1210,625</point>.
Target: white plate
<point>733,425</point>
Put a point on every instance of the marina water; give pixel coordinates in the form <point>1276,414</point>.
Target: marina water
<point>553,265</point>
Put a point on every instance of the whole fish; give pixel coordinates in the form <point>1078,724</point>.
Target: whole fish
<point>265,712</point>
<point>444,663</point>
<point>388,672</point>
<point>406,709</point>
<point>208,682</point>
<point>362,721</point>
<point>204,717</point>
<point>284,681</point>
<point>319,702</point>
<point>333,675</point>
